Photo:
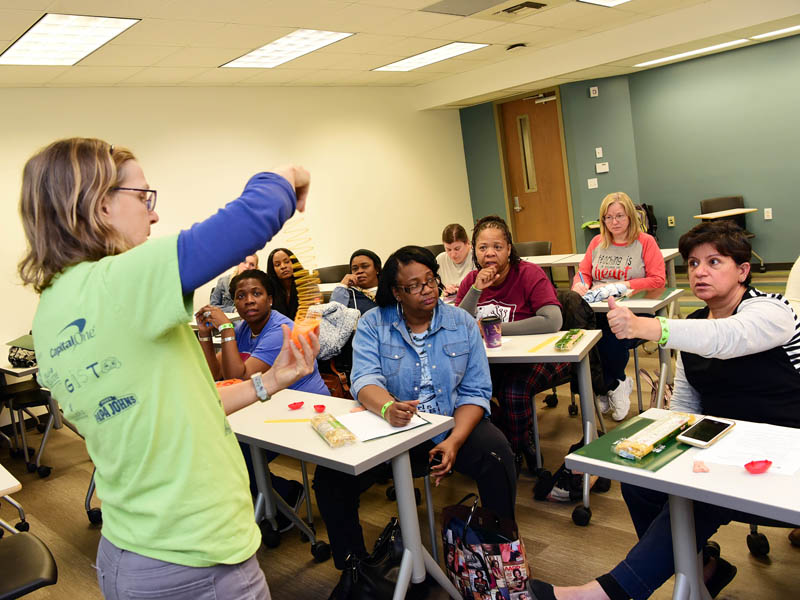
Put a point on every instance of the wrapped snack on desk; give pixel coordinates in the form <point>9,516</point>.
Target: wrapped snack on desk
<point>568,340</point>
<point>644,441</point>
<point>331,430</point>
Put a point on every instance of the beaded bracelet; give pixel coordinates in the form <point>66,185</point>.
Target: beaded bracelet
<point>664,330</point>
<point>384,407</point>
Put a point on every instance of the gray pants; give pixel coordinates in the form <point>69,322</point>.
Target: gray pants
<point>124,575</point>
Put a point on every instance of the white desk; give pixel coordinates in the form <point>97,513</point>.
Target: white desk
<point>571,261</point>
<point>7,369</point>
<point>539,348</point>
<point>300,441</point>
<point>655,306</point>
<point>721,214</point>
<point>8,483</point>
<point>769,495</point>
<point>327,288</point>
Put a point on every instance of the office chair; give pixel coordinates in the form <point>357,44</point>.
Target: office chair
<point>20,398</point>
<point>333,274</point>
<point>727,203</point>
<point>435,249</point>
<point>26,564</point>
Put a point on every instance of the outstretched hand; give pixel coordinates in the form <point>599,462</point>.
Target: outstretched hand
<point>300,180</point>
<point>621,320</point>
<point>292,363</point>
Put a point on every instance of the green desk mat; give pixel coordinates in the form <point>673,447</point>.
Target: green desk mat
<point>600,449</point>
<point>655,294</point>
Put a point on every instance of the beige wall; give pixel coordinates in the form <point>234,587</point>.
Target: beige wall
<point>383,173</point>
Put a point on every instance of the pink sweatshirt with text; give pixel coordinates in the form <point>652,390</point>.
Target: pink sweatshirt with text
<point>639,263</point>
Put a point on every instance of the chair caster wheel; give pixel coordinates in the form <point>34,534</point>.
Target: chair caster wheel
<point>321,551</point>
<point>269,537</point>
<point>22,526</point>
<point>304,537</point>
<point>762,269</point>
<point>551,401</point>
<point>391,494</point>
<point>581,515</point>
<point>44,471</point>
<point>573,410</point>
<point>95,516</point>
<point>2,532</point>
<point>31,467</point>
<point>758,544</point>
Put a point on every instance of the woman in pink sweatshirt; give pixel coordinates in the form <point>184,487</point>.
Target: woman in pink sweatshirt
<point>621,253</point>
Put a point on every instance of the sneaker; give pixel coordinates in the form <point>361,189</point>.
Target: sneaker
<point>295,498</point>
<point>602,403</point>
<point>620,399</point>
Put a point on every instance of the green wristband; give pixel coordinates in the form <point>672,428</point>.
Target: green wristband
<point>664,330</point>
<point>225,326</point>
<point>476,289</point>
<point>384,407</point>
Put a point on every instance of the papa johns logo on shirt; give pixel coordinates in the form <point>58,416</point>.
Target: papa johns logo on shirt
<point>112,406</point>
<point>78,334</point>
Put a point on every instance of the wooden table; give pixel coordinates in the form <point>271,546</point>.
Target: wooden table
<point>721,214</point>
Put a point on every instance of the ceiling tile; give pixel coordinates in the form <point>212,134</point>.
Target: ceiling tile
<point>363,62</point>
<point>80,75</point>
<point>236,35</point>
<point>162,76</point>
<point>457,31</point>
<point>366,42</point>
<point>451,65</point>
<point>107,8</point>
<point>313,61</point>
<point>221,76</point>
<point>413,23</point>
<point>363,18</point>
<point>273,76</point>
<point>40,5</point>
<point>27,75</point>
<point>508,33</point>
<point>114,54</point>
<point>404,4</point>
<point>550,36</point>
<point>566,13</point>
<point>411,45</point>
<point>13,23</point>
<point>201,57</point>
<point>169,33</point>
<point>659,7</point>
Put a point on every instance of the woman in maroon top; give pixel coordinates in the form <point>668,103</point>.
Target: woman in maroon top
<point>522,296</point>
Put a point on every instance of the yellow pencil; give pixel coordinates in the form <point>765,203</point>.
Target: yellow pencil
<point>544,343</point>
<point>288,421</point>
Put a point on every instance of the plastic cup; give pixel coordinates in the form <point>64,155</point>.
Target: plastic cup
<point>304,327</point>
<point>492,331</point>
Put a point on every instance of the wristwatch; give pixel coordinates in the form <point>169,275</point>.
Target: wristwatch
<point>261,390</point>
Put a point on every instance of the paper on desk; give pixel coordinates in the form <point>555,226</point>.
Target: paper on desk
<point>757,441</point>
<point>367,425</point>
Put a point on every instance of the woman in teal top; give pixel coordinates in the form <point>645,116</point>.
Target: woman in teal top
<point>115,348</point>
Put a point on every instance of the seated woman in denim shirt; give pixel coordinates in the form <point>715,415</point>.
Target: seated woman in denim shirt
<point>414,353</point>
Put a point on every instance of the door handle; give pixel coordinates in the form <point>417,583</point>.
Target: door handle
<point>517,207</point>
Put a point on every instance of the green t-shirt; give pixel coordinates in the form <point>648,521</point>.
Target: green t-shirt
<point>115,348</point>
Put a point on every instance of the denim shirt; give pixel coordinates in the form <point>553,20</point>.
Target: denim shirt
<point>384,355</point>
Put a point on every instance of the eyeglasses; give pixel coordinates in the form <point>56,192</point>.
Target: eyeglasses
<point>416,288</point>
<point>147,196</point>
<point>609,218</point>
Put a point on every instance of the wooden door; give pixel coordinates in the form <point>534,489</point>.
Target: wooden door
<point>535,173</point>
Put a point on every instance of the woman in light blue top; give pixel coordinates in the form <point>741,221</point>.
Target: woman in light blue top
<point>416,353</point>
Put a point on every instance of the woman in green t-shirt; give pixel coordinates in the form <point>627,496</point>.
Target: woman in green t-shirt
<point>115,348</point>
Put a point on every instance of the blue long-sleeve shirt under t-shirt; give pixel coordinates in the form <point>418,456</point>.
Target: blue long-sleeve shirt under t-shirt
<point>243,226</point>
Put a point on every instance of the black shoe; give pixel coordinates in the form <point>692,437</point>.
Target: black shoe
<point>723,575</point>
<point>518,463</point>
<point>529,452</point>
<point>602,485</point>
<point>295,497</point>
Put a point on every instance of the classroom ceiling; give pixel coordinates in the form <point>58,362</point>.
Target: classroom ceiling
<point>183,42</point>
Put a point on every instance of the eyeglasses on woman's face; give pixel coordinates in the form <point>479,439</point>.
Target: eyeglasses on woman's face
<point>416,288</point>
<point>146,195</point>
<point>617,217</point>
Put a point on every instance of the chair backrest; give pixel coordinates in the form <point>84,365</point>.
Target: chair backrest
<point>333,274</point>
<point>793,287</point>
<point>533,248</point>
<point>26,564</point>
<point>725,203</point>
<point>436,249</point>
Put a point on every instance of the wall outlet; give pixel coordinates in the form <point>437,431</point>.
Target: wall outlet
<point>598,152</point>
<point>601,167</point>
<point>671,221</point>
<point>767,214</point>
<point>592,183</point>
<point>594,91</point>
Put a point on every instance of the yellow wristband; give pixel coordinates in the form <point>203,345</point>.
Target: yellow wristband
<point>384,407</point>
<point>225,326</point>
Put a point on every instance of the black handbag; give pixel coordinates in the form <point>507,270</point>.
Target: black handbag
<point>21,358</point>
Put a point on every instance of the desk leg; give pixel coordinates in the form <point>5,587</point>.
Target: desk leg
<point>587,412</point>
<point>672,282</point>
<point>688,572</point>
<point>265,503</point>
<point>570,276</point>
<point>416,559</point>
<point>665,371</point>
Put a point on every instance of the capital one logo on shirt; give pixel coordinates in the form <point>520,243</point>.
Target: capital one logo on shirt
<point>72,335</point>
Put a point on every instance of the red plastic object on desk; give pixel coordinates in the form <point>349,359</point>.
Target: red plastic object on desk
<point>320,408</point>
<point>295,405</point>
<point>757,467</point>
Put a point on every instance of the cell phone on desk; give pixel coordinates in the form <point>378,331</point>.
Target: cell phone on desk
<point>706,431</point>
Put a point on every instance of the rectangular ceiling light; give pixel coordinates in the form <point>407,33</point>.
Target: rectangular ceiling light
<point>431,56</point>
<point>608,3</point>
<point>773,33</point>
<point>692,53</point>
<point>63,39</point>
<point>287,48</point>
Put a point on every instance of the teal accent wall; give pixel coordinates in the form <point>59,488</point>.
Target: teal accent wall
<point>603,121</point>
<point>482,155</point>
<point>723,125</point>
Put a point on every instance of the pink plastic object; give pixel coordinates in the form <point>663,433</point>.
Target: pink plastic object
<point>295,405</point>
<point>758,466</point>
<point>320,408</point>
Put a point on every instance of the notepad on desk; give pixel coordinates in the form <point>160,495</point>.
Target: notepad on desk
<point>367,425</point>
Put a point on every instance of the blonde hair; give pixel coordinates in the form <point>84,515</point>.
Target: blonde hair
<point>235,270</point>
<point>634,225</point>
<point>63,186</point>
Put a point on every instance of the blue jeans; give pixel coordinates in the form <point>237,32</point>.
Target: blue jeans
<point>650,562</point>
<point>614,353</point>
<point>124,575</point>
